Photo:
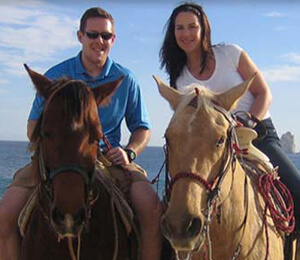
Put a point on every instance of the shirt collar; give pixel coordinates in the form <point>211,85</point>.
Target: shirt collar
<point>107,71</point>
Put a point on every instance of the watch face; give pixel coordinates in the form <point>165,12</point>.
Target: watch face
<point>131,155</point>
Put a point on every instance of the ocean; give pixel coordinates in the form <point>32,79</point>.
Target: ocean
<point>14,154</point>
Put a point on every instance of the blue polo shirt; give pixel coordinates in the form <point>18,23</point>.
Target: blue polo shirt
<point>127,102</point>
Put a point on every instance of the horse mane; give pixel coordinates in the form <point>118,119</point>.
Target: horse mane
<point>75,95</point>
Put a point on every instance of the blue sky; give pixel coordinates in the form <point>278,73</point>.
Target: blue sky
<point>43,33</point>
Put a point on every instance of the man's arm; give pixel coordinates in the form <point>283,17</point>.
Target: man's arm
<point>137,142</point>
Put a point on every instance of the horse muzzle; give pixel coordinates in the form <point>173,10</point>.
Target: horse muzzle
<point>185,234</point>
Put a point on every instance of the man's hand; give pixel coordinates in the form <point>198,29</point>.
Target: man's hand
<point>137,142</point>
<point>117,156</point>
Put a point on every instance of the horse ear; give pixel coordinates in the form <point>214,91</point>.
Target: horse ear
<point>170,94</point>
<point>104,92</point>
<point>40,82</point>
<point>230,98</point>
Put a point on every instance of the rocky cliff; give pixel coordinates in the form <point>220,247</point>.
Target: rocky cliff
<point>287,141</point>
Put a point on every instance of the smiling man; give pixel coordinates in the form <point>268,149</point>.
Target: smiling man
<point>94,66</point>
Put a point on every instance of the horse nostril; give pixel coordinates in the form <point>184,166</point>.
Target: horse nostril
<point>194,227</point>
<point>80,217</point>
<point>57,216</point>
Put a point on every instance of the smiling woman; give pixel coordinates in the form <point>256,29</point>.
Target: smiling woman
<point>189,57</point>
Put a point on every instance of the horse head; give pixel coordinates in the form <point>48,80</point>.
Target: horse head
<point>67,137</point>
<point>197,151</point>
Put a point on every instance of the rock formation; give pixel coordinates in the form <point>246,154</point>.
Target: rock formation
<point>287,141</point>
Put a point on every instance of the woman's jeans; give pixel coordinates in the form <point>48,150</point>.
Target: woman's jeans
<point>268,143</point>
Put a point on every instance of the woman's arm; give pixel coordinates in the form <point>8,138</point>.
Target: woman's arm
<point>259,87</point>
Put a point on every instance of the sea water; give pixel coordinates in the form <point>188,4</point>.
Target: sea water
<point>14,155</point>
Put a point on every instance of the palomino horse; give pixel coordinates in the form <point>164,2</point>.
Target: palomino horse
<point>215,210</point>
<point>74,217</point>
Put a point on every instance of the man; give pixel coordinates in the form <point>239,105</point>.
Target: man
<point>93,65</point>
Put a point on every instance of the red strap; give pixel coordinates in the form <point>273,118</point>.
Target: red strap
<point>238,150</point>
<point>106,141</point>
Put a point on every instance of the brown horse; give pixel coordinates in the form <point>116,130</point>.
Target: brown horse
<point>215,210</point>
<point>74,216</point>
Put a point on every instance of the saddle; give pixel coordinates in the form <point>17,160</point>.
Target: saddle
<point>245,136</point>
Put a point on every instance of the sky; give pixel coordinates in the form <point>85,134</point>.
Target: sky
<point>43,33</point>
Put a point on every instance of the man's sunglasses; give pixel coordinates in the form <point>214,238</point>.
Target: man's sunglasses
<point>104,35</point>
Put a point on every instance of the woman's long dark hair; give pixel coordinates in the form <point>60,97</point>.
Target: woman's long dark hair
<point>172,57</point>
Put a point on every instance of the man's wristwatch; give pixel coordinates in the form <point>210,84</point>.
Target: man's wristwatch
<point>130,154</point>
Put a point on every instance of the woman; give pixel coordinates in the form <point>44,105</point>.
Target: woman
<point>189,57</point>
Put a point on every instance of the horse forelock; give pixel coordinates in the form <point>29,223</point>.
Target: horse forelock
<point>75,98</point>
<point>202,95</point>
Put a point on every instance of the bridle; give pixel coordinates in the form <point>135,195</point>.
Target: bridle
<point>47,175</point>
<point>212,187</point>
<point>90,194</point>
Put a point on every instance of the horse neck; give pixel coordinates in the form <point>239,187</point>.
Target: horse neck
<point>231,204</point>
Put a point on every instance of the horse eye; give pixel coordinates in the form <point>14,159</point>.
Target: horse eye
<point>220,141</point>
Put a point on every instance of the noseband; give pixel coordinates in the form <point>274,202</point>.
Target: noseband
<point>212,187</point>
<point>47,176</point>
